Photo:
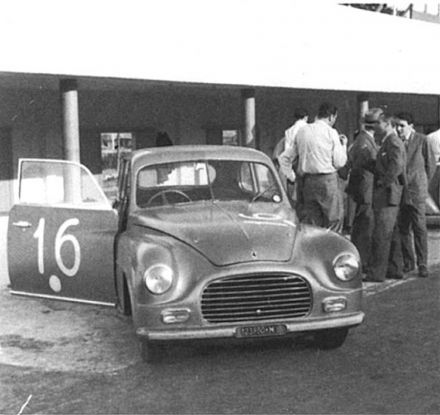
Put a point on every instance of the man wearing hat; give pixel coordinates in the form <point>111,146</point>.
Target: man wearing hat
<point>361,156</point>
<point>389,180</point>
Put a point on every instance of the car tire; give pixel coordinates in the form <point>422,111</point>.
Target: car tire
<point>151,352</point>
<point>331,338</point>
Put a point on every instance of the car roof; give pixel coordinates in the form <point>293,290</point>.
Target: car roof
<point>168,154</point>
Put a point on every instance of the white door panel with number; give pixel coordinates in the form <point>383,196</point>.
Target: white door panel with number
<point>61,234</point>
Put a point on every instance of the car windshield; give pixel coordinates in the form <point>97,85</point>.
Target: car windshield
<point>185,182</point>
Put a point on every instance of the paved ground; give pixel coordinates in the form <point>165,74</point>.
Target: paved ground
<point>51,335</point>
<point>56,335</point>
<point>388,365</point>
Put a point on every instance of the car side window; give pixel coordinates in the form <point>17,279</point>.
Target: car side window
<point>59,183</point>
<point>264,177</point>
<point>175,174</point>
<point>256,178</point>
<point>246,180</point>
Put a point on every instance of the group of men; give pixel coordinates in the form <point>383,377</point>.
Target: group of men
<point>389,167</point>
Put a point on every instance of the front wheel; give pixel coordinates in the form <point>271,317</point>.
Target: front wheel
<point>151,352</point>
<point>331,338</point>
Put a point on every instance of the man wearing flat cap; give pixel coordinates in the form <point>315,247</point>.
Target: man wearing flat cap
<point>389,180</point>
<point>361,155</point>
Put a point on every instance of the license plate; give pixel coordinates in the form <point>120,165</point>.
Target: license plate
<point>261,330</point>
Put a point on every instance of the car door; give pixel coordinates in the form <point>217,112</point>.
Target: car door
<point>61,234</point>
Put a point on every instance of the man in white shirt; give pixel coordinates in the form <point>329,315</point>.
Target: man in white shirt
<point>319,153</point>
<point>301,118</point>
<point>434,144</point>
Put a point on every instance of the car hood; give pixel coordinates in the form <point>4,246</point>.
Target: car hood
<point>227,232</point>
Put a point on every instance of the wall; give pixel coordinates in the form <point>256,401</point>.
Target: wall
<point>183,113</point>
<point>276,106</point>
<point>275,110</point>
<point>425,108</point>
<point>32,118</point>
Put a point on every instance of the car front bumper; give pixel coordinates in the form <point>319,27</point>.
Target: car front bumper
<point>346,320</point>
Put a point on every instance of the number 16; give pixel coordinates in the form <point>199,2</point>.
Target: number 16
<point>60,239</point>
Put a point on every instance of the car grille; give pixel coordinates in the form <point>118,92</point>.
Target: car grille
<point>256,297</point>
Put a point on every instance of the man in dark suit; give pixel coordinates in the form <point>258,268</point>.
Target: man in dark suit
<point>420,166</point>
<point>361,155</point>
<point>389,178</point>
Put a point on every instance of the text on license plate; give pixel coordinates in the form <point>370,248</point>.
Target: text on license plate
<point>261,330</point>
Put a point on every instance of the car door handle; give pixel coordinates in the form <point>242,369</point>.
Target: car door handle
<point>22,224</point>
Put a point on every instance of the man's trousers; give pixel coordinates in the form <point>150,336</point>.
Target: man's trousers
<point>413,217</point>
<point>321,200</point>
<point>362,232</point>
<point>385,219</point>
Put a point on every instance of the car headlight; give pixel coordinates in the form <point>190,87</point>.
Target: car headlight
<point>158,278</point>
<point>346,266</point>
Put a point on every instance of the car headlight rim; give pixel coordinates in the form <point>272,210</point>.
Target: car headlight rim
<point>158,278</point>
<point>346,266</point>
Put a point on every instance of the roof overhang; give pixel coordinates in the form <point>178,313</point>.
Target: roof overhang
<point>282,43</point>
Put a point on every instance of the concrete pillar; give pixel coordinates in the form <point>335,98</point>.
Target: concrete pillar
<point>249,119</point>
<point>362,100</point>
<point>69,103</point>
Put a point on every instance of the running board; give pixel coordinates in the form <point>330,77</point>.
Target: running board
<point>55,297</point>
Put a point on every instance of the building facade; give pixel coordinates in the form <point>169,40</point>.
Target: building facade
<point>53,108</point>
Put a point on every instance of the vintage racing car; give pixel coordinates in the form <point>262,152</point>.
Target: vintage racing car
<point>201,242</point>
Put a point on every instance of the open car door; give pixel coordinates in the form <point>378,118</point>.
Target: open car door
<point>61,234</point>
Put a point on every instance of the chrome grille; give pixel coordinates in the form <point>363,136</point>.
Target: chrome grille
<point>256,297</point>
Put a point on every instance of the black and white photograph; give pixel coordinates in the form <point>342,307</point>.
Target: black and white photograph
<point>219,207</point>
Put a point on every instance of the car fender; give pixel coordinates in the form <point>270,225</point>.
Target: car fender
<point>315,250</point>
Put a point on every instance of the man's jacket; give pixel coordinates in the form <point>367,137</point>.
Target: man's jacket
<point>361,155</point>
<point>389,172</point>
<point>420,167</point>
